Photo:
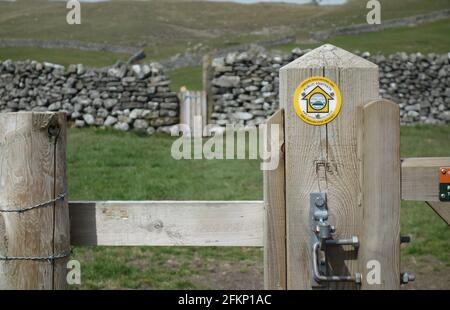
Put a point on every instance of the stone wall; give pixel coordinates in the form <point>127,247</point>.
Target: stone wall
<point>245,85</point>
<point>123,97</point>
<point>244,88</point>
<point>79,45</point>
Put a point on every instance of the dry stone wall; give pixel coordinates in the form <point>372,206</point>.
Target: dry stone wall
<point>244,88</point>
<point>123,97</point>
<point>245,85</point>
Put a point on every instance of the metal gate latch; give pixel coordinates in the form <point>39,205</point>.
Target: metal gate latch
<point>321,239</point>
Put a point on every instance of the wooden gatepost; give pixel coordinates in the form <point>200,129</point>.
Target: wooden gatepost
<point>333,204</point>
<point>34,213</point>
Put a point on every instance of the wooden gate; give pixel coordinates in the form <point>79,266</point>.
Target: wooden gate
<point>193,111</point>
<point>334,196</point>
<point>333,204</point>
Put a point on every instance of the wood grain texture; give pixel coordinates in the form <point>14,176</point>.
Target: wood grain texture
<point>442,209</point>
<point>207,77</point>
<point>335,145</point>
<point>61,232</point>
<point>380,232</point>
<point>275,212</point>
<point>32,170</point>
<point>420,179</point>
<point>167,223</point>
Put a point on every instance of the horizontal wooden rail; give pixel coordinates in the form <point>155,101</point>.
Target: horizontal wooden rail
<point>212,223</point>
<point>420,180</point>
<point>167,223</point>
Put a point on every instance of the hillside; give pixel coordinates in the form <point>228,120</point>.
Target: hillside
<point>170,26</point>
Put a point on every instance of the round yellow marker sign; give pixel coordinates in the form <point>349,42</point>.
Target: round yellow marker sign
<point>317,101</point>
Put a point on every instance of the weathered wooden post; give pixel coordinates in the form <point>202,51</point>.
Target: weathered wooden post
<point>275,215</point>
<point>342,178</point>
<point>34,215</point>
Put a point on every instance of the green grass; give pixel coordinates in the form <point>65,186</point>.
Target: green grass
<point>426,38</point>
<point>166,27</point>
<point>104,164</point>
<point>157,268</point>
<point>60,56</point>
<point>127,166</point>
<point>191,77</point>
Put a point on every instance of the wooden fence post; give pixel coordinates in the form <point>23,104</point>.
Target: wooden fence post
<point>381,192</point>
<point>34,216</point>
<point>332,159</point>
<point>275,212</point>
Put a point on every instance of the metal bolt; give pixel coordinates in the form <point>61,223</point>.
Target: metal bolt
<point>444,171</point>
<point>405,239</point>
<point>442,195</point>
<point>355,241</point>
<point>407,277</point>
<point>321,215</point>
<point>320,202</point>
<point>324,230</point>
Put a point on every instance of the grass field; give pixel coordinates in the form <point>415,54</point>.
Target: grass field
<point>191,77</point>
<point>178,25</point>
<point>425,38</point>
<point>103,164</point>
<point>165,27</point>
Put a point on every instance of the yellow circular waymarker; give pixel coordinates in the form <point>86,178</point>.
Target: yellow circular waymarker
<point>317,101</point>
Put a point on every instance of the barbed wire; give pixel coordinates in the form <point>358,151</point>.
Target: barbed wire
<point>49,258</point>
<point>41,205</point>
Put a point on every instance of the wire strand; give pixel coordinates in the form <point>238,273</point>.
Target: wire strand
<point>49,258</point>
<point>41,205</point>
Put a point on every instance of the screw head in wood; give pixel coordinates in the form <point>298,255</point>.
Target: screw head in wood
<point>320,202</point>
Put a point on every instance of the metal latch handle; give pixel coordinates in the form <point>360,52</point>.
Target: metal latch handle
<point>322,278</point>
